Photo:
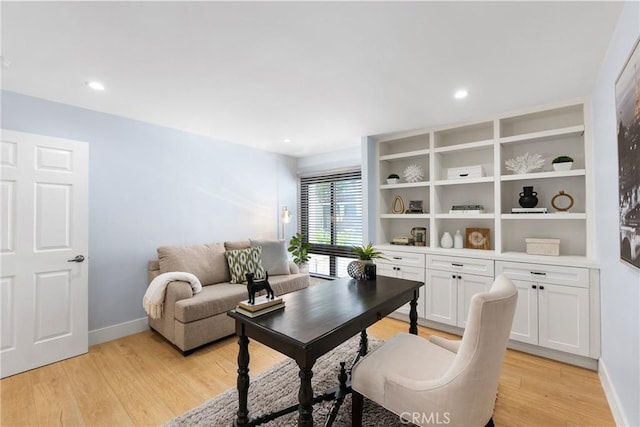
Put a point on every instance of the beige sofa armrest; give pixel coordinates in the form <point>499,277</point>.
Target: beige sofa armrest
<point>176,291</point>
<point>293,268</point>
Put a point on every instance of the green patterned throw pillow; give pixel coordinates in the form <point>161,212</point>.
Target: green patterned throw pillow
<point>244,261</point>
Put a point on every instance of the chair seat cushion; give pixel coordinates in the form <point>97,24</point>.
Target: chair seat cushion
<point>404,354</point>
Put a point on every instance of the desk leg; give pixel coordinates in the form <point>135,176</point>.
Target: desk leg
<point>243,381</point>
<point>305,398</point>
<point>364,343</point>
<point>413,314</point>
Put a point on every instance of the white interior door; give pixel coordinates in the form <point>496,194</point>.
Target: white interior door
<point>44,227</point>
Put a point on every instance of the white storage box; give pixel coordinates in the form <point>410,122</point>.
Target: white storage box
<point>543,246</point>
<point>475,171</point>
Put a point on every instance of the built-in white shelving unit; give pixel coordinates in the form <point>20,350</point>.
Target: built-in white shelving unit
<point>559,130</point>
<point>550,132</point>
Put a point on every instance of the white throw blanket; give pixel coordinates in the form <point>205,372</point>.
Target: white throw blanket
<point>153,299</point>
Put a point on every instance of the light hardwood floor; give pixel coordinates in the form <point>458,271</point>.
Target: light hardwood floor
<point>143,380</point>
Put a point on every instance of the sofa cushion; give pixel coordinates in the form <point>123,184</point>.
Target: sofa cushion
<point>274,256</point>
<point>245,261</point>
<point>211,301</point>
<point>219,299</point>
<point>206,262</point>
<point>240,244</point>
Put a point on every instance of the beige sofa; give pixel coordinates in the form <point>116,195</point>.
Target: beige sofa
<point>189,321</point>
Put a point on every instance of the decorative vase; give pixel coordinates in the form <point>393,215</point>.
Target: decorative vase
<point>528,198</point>
<point>446,241</point>
<point>458,240</point>
<point>564,166</point>
<point>369,271</point>
<point>355,269</point>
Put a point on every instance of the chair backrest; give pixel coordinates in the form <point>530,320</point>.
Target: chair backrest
<point>475,372</point>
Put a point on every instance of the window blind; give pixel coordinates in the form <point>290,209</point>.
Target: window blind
<point>331,214</point>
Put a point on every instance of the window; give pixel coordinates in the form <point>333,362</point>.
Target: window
<point>331,220</point>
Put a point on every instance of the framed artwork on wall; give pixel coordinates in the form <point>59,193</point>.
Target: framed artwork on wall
<point>628,131</point>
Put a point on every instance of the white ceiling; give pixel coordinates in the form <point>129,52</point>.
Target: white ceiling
<point>322,74</point>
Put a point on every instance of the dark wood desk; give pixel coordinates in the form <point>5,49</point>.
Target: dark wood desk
<point>316,320</point>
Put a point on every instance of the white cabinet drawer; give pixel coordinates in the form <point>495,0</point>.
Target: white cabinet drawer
<point>482,267</point>
<point>560,275</point>
<point>408,259</point>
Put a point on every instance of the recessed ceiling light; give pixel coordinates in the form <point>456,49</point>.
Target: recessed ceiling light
<point>286,140</point>
<point>461,93</point>
<point>95,85</point>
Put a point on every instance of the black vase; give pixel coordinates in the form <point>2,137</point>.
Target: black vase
<point>528,198</point>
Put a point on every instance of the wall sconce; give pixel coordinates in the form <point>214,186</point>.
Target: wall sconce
<point>285,218</point>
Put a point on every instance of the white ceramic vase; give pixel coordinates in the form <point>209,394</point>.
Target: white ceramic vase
<point>446,241</point>
<point>457,240</point>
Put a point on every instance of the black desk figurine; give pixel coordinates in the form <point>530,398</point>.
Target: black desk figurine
<point>253,287</point>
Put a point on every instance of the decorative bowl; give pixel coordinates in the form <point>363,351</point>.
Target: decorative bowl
<point>564,166</point>
<point>393,180</point>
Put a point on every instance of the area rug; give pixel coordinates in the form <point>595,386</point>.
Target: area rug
<point>277,388</point>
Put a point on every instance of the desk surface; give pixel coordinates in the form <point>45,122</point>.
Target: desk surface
<point>315,319</point>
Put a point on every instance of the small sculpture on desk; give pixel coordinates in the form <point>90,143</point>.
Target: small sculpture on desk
<point>253,287</point>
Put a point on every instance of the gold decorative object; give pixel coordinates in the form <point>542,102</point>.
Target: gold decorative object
<point>398,205</point>
<point>564,205</point>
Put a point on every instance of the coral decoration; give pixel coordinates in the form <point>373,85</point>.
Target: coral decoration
<point>525,163</point>
<point>413,173</point>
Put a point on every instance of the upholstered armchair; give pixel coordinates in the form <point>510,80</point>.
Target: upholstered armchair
<point>438,380</point>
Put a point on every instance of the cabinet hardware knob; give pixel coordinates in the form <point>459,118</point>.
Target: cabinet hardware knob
<point>453,276</point>
<point>459,277</point>
<point>538,273</point>
<point>457,265</point>
<point>541,288</point>
<point>534,287</point>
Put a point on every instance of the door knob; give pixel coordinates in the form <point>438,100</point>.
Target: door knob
<point>78,258</point>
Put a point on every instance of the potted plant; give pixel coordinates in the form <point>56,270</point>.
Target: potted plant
<point>299,248</point>
<point>364,266</point>
<point>562,163</point>
<point>393,178</point>
<point>367,252</point>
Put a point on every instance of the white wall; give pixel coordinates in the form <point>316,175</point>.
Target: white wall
<point>151,186</point>
<point>620,283</point>
<point>349,157</point>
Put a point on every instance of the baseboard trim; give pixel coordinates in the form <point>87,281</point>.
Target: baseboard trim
<point>561,356</point>
<point>611,395</point>
<point>110,333</point>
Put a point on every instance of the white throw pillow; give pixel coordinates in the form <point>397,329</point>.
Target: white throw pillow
<point>274,256</point>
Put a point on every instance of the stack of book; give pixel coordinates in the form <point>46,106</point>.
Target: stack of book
<point>262,305</point>
<point>528,210</point>
<point>466,209</point>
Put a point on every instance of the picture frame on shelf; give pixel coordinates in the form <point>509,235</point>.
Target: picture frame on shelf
<point>478,238</point>
<point>628,133</point>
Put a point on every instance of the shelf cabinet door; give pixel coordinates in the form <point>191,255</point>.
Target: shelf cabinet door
<point>417,274</point>
<point>409,273</point>
<point>468,286</point>
<point>441,297</point>
<point>564,318</point>
<point>525,320</point>
<point>421,304</point>
<point>388,270</point>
